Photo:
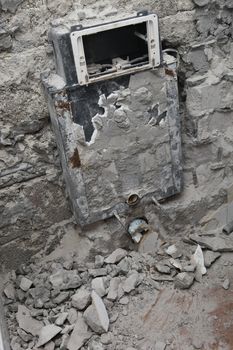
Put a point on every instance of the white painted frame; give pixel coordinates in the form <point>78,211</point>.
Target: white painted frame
<point>153,42</point>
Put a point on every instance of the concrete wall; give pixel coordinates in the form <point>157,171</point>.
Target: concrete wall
<point>34,210</point>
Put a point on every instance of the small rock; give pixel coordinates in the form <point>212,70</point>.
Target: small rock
<point>116,256</point>
<point>131,282</point>
<point>114,317</point>
<point>189,268</point>
<point>63,296</point>
<point>61,318</point>
<point>9,291</point>
<point>99,261</point>
<point>24,335</point>
<point>124,266</point>
<point>173,251</point>
<point>72,316</point>
<point>176,263</point>
<point>80,334</point>
<point>94,345</point>
<point>26,322</point>
<point>210,257</point>
<point>184,280</point>
<point>98,272</point>
<point>106,338</point>
<point>96,315</point>
<point>81,299</point>
<point>11,5</point>
<point>68,264</point>
<point>163,268</point>
<point>25,284</point>
<point>124,312</point>
<point>47,333</point>
<point>97,285</point>
<point>226,284</point>
<point>124,301</point>
<point>67,329</point>
<point>113,288</point>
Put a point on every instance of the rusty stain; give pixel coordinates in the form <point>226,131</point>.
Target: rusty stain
<point>170,72</point>
<point>75,159</point>
<point>63,105</point>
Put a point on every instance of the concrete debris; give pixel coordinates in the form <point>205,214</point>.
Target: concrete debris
<point>97,285</point>
<point>149,243</point>
<point>94,345</point>
<point>72,316</point>
<point>176,263</point>
<point>96,315</point>
<point>61,318</point>
<point>47,333</point>
<point>210,257</point>
<point>198,261</point>
<point>184,280</point>
<point>25,284</point>
<point>216,244</point>
<point>131,282</point>
<point>226,284</point>
<point>49,346</point>
<point>163,268</point>
<point>80,334</point>
<point>116,256</point>
<point>113,288</point>
<point>26,322</point>
<point>9,291</point>
<point>173,251</point>
<point>81,299</point>
<point>228,229</point>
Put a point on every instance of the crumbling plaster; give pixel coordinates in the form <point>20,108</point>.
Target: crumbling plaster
<point>34,209</point>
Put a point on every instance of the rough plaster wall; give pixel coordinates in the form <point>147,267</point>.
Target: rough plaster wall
<point>33,205</point>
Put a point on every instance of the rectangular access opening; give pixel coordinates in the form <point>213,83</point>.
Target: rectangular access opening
<point>119,48</point>
<point>116,48</point>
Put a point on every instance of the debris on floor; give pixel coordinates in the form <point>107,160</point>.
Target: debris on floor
<point>65,304</point>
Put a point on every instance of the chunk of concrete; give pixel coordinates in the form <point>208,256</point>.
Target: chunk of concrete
<point>26,322</point>
<point>96,315</point>
<point>25,284</point>
<point>81,299</point>
<point>116,256</point>
<point>47,333</point>
<point>210,257</point>
<point>9,291</point>
<point>79,335</point>
<point>61,318</point>
<point>149,243</point>
<point>113,288</point>
<point>226,284</point>
<point>216,244</point>
<point>72,316</point>
<point>184,280</point>
<point>163,268</point>
<point>97,285</point>
<point>131,282</point>
<point>197,260</point>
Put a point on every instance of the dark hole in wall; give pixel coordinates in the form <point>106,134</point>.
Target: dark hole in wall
<point>101,48</point>
<point>84,101</point>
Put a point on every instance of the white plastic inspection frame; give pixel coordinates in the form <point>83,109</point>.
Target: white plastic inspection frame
<point>152,42</point>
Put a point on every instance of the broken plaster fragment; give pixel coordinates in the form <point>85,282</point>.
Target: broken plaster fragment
<point>198,261</point>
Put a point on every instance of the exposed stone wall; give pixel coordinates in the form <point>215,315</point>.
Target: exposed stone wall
<point>33,204</point>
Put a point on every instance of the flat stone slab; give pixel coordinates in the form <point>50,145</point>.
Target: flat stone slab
<point>96,315</point>
<point>217,244</point>
<point>47,333</point>
<point>116,256</point>
<point>26,322</point>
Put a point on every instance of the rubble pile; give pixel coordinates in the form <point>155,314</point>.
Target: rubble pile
<point>65,304</point>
